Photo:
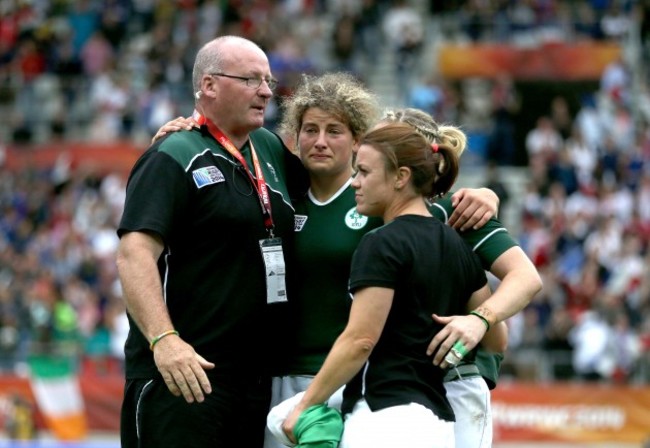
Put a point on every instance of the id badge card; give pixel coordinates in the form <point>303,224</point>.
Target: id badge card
<point>273,256</point>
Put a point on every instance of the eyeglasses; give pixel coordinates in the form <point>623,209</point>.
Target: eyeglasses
<point>254,82</point>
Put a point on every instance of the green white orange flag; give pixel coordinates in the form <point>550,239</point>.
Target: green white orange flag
<point>56,388</point>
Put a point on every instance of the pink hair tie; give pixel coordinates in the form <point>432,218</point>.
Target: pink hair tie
<point>434,147</point>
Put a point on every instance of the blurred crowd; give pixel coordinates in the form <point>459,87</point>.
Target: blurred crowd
<point>586,226</point>
<point>58,281</point>
<point>118,69</point>
<point>106,69</point>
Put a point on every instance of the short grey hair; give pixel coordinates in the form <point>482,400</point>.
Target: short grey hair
<point>211,57</point>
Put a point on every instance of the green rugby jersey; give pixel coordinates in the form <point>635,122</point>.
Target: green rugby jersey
<point>326,236</point>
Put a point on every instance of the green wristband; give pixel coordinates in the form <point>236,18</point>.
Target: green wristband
<point>155,340</point>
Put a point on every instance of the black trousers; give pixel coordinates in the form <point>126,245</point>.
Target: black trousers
<point>233,415</point>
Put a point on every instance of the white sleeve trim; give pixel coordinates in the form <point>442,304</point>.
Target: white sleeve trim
<point>487,237</point>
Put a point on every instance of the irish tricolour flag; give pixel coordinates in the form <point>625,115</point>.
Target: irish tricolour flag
<point>58,396</point>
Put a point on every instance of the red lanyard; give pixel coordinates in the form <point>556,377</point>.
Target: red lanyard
<point>260,183</point>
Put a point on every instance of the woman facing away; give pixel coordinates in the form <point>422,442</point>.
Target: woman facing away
<point>468,386</point>
<point>402,273</point>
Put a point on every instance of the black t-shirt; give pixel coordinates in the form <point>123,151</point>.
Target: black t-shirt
<point>431,270</point>
<point>189,190</point>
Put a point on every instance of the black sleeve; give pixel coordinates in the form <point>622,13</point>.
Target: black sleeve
<point>376,262</point>
<point>157,195</point>
<point>297,177</point>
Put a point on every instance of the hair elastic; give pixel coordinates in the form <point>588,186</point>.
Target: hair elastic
<point>434,147</point>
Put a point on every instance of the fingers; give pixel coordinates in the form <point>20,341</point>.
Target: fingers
<point>433,345</point>
<point>472,217</point>
<point>171,384</point>
<point>442,319</point>
<point>205,364</point>
<point>182,369</point>
<point>457,197</point>
<point>463,216</point>
<point>452,359</point>
<point>472,208</point>
<point>459,349</point>
<point>202,378</point>
<point>482,220</point>
<point>438,339</point>
<point>289,424</point>
<point>455,355</point>
<point>199,383</point>
<point>177,124</point>
<point>457,338</point>
<point>461,205</point>
<point>194,391</point>
<point>158,135</point>
<point>182,385</point>
<point>443,348</point>
<point>288,431</point>
<point>191,384</point>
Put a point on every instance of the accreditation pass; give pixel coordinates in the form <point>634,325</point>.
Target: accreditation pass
<point>276,290</point>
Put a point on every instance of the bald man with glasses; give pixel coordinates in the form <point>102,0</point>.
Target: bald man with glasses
<point>206,225</point>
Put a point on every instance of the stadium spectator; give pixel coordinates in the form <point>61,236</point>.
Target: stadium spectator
<point>505,106</point>
<point>544,141</point>
<point>404,31</point>
<point>583,157</point>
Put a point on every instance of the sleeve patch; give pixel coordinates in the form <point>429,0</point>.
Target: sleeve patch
<point>207,175</point>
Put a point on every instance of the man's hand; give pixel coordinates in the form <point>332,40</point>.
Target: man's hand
<point>182,369</point>
<point>473,208</point>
